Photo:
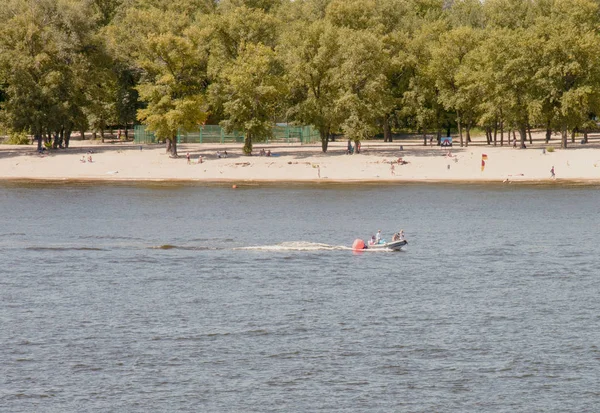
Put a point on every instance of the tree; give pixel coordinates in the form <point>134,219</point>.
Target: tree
<point>566,79</point>
<point>245,89</point>
<point>312,55</point>
<point>253,87</point>
<point>49,57</point>
<point>363,84</point>
<point>169,48</point>
<point>448,57</point>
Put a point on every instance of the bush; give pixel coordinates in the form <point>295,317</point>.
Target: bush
<point>550,149</point>
<point>17,138</point>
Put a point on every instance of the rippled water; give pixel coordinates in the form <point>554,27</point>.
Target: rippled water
<point>189,298</point>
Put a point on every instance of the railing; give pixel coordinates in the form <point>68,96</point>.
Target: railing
<point>216,134</point>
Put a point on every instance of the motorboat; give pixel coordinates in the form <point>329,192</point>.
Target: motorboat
<point>397,245</point>
<point>392,245</point>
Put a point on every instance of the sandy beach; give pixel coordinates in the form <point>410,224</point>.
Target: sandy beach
<point>378,162</point>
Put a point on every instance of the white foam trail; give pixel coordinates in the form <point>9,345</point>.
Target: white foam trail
<point>297,246</point>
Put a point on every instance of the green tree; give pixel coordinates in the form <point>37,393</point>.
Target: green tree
<point>235,33</point>
<point>49,55</point>
<point>448,57</point>
<point>166,44</point>
<point>253,87</point>
<point>363,83</point>
<point>312,54</point>
<point>566,80</point>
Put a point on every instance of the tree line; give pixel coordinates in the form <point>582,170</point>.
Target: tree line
<point>357,67</point>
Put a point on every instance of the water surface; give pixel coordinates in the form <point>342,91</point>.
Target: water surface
<point>181,298</point>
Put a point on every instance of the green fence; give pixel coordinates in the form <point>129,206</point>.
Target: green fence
<point>216,134</point>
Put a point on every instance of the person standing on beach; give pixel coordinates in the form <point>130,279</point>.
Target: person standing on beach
<point>188,157</point>
<point>552,173</point>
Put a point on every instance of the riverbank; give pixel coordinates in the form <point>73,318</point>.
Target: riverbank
<point>397,162</point>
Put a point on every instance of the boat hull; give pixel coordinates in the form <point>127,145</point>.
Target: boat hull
<point>394,245</point>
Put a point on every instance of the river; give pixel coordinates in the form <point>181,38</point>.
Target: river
<point>189,298</point>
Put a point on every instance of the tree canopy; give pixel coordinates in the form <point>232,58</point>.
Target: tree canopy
<point>355,67</point>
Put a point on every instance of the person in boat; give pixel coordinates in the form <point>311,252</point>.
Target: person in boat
<point>373,240</point>
<point>378,237</point>
<point>401,235</point>
<point>396,237</point>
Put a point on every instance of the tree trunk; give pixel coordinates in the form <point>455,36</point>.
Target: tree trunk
<point>174,147</point>
<point>82,135</point>
<point>169,144</point>
<point>523,135</point>
<point>495,133</point>
<point>585,136</point>
<point>324,139</point>
<point>94,135</point>
<point>55,141</point>
<point>102,134</point>
<point>439,137</point>
<point>573,131</point>
<point>424,139</point>
<point>529,133</point>
<point>357,146</point>
<point>548,133</point>
<point>460,131</point>
<point>563,138</point>
<point>38,137</point>
<point>248,144</point>
<point>502,133</point>
<point>67,138</point>
<point>387,130</point>
<point>468,130</point>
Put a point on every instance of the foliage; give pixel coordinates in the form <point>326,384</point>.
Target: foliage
<point>17,138</point>
<point>253,86</point>
<point>354,66</point>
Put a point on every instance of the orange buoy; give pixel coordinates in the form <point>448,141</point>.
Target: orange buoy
<point>358,244</point>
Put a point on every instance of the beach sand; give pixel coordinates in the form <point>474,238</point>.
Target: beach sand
<point>377,163</point>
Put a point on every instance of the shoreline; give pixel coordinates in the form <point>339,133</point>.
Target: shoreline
<point>307,182</point>
<point>397,163</point>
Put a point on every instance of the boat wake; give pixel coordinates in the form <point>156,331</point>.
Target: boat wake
<point>297,246</point>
